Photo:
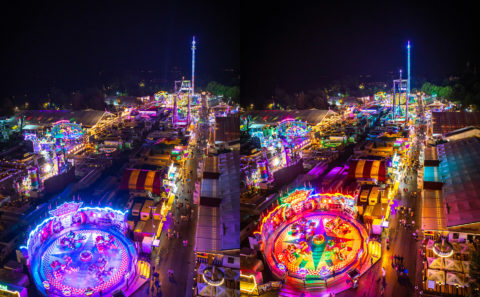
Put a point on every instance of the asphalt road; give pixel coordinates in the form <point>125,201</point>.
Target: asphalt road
<point>172,254</point>
<point>402,243</point>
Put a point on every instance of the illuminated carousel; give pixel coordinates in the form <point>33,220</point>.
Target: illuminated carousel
<point>313,237</point>
<point>81,252</point>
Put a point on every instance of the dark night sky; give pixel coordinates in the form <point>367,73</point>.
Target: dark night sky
<point>68,43</point>
<point>299,46</point>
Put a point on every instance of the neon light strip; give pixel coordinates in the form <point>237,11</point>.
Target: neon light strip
<point>213,284</point>
<point>254,280</point>
<point>83,208</point>
<point>267,217</point>
<point>282,205</point>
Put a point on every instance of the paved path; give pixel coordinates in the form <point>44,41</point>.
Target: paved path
<point>172,254</point>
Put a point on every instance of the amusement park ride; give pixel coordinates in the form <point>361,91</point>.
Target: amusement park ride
<point>81,251</point>
<point>402,88</point>
<point>279,146</point>
<point>313,237</point>
<point>53,146</point>
<point>184,89</point>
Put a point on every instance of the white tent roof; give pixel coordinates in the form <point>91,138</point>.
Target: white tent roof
<point>436,275</point>
<point>455,279</point>
<point>452,265</point>
<point>435,263</point>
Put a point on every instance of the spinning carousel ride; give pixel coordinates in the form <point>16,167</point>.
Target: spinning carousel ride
<point>81,251</point>
<point>313,236</point>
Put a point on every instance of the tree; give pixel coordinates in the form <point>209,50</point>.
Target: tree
<point>283,98</point>
<point>60,98</point>
<point>427,88</point>
<point>445,92</point>
<point>7,108</point>
<point>95,98</point>
<point>78,101</point>
<point>213,87</point>
<point>300,100</point>
<point>233,93</point>
<point>318,99</point>
<point>218,89</point>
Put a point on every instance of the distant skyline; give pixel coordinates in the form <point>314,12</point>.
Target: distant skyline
<point>299,47</point>
<point>67,44</point>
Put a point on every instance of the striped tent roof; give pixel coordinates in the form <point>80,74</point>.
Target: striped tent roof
<point>368,169</point>
<point>146,180</point>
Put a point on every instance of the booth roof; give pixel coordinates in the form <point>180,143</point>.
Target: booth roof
<point>87,117</point>
<point>445,122</point>
<point>310,116</point>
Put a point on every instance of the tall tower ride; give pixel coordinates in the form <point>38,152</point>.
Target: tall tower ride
<point>193,64</point>
<point>408,82</point>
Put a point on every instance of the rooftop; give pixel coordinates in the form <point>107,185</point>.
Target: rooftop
<point>88,117</point>
<point>218,226</point>
<point>310,116</point>
<point>446,122</point>
<point>460,170</point>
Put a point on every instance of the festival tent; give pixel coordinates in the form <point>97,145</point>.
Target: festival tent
<point>459,169</point>
<point>456,279</point>
<point>147,180</point>
<point>435,263</point>
<point>368,169</point>
<point>452,265</point>
<point>437,276</point>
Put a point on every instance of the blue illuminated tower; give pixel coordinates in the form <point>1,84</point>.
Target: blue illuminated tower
<point>193,80</point>
<point>193,64</point>
<point>408,81</point>
<point>408,67</point>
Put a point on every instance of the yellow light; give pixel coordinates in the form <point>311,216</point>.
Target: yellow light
<point>213,284</point>
<point>254,281</point>
<point>8,292</point>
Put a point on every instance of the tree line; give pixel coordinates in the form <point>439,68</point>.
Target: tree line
<point>94,97</point>
<point>318,97</point>
<point>218,89</point>
<point>464,90</point>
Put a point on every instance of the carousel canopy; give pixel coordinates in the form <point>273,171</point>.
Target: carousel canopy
<point>368,169</point>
